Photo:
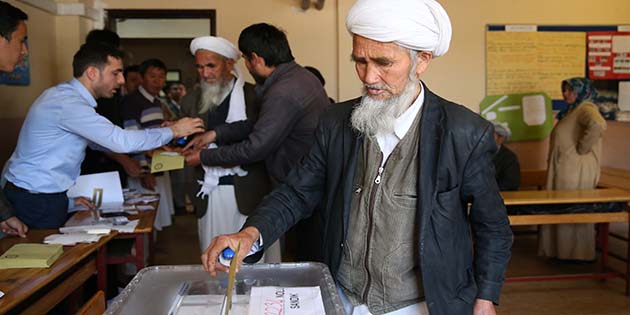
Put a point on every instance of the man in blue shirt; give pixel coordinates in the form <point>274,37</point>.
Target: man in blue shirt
<point>59,126</point>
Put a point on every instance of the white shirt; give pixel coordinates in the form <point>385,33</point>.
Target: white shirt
<point>146,94</point>
<point>387,142</point>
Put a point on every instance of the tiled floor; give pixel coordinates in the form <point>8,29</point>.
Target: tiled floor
<point>178,245</point>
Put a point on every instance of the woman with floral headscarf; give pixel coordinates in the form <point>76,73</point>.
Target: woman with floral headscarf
<point>574,163</point>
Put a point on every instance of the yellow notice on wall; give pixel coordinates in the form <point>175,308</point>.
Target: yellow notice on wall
<point>525,62</point>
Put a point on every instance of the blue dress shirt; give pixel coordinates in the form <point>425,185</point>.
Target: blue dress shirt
<point>55,133</point>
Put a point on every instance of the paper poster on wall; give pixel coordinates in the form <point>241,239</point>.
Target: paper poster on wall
<point>20,76</point>
<point>608,55</point>
<point>527,115</point>
<point>525,62</point>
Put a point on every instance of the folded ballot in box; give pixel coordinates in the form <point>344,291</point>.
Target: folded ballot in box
<point>30,256</point>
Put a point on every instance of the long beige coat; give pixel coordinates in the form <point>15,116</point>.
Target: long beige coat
<point>574,163</point>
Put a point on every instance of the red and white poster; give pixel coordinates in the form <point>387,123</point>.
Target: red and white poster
<point>608,55</point>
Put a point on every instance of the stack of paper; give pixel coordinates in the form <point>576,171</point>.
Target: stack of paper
<point>128,227</point>
<point>30,256</point>
<point>72,239</point>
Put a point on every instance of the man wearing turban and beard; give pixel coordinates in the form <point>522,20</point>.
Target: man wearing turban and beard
<point>412,218</point>
<point>223,97</point>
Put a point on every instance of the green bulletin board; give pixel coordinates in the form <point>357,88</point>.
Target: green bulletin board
<point>527,115</point>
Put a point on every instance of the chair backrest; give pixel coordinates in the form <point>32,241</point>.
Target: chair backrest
<point>533,179</point>
<point>95,306</point>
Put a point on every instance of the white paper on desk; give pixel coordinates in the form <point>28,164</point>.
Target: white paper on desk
<point>71,239</point>
<point>126,228</point>
<point>144,207</point>
<point>286,301</point>
<point>143,199</point>
<point>77,229</point>
<point>109,182</point>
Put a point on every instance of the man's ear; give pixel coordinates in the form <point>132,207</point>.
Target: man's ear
<point>91,73</point>
<point>230,63</point>
<point>423,58</point>
<point>258,60</point>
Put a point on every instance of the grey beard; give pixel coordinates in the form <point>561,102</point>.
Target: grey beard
<point>374,116</point>
<point>212,95</point>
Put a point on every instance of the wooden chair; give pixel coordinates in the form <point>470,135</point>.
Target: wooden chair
<point>95,306</point>
<point>536,179</point>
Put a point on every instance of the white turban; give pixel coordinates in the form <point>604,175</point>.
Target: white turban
<point>225,48</point>
<point>414,24</point>
<point>218,45</point>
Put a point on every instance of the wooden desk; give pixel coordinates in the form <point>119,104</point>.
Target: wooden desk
<point>37,290</point>
<point>546,197</point>
<point>144,228</point>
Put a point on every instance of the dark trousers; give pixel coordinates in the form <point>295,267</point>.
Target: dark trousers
<point>38,210</point>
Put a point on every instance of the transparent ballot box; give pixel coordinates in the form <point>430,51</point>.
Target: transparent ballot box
<point>183,290</point>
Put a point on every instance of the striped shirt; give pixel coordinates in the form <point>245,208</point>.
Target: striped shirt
<point>142,110</point>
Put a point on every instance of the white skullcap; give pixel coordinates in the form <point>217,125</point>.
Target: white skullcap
<point>218,45</point>
<point>502,129</point>
<point>414,24</point>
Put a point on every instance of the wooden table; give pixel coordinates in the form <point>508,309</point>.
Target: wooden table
<point>144,228</point>
<point>558,197</point>
<point>38,290</point>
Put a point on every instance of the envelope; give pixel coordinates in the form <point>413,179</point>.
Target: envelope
<point>166,161</point>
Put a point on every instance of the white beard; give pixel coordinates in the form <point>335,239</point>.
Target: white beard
<point>212,95</point>
<point>373,117</point>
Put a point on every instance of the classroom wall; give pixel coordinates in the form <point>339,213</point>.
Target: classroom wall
<point>318,38</point>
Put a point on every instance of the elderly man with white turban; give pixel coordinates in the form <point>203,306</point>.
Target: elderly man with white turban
<point>403,181</point>
<point>227,194</point>
<point>291,100</point>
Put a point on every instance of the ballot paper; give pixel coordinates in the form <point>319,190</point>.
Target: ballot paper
<point>128,227</point>
<point>143,199</point>
<point>72,239</point>
<point>165,161</point>
<point>144,207</point>
<point>286,301</point>
<point>109,182</point>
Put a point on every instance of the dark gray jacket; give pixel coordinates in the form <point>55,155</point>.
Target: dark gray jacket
<point>455,169</point>
<point>249,190</point>
<point>291,100</point>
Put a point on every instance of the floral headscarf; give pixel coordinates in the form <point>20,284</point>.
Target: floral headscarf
<point>584,89</point>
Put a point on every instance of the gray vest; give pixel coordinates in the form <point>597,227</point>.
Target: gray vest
<point>379,265</point>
